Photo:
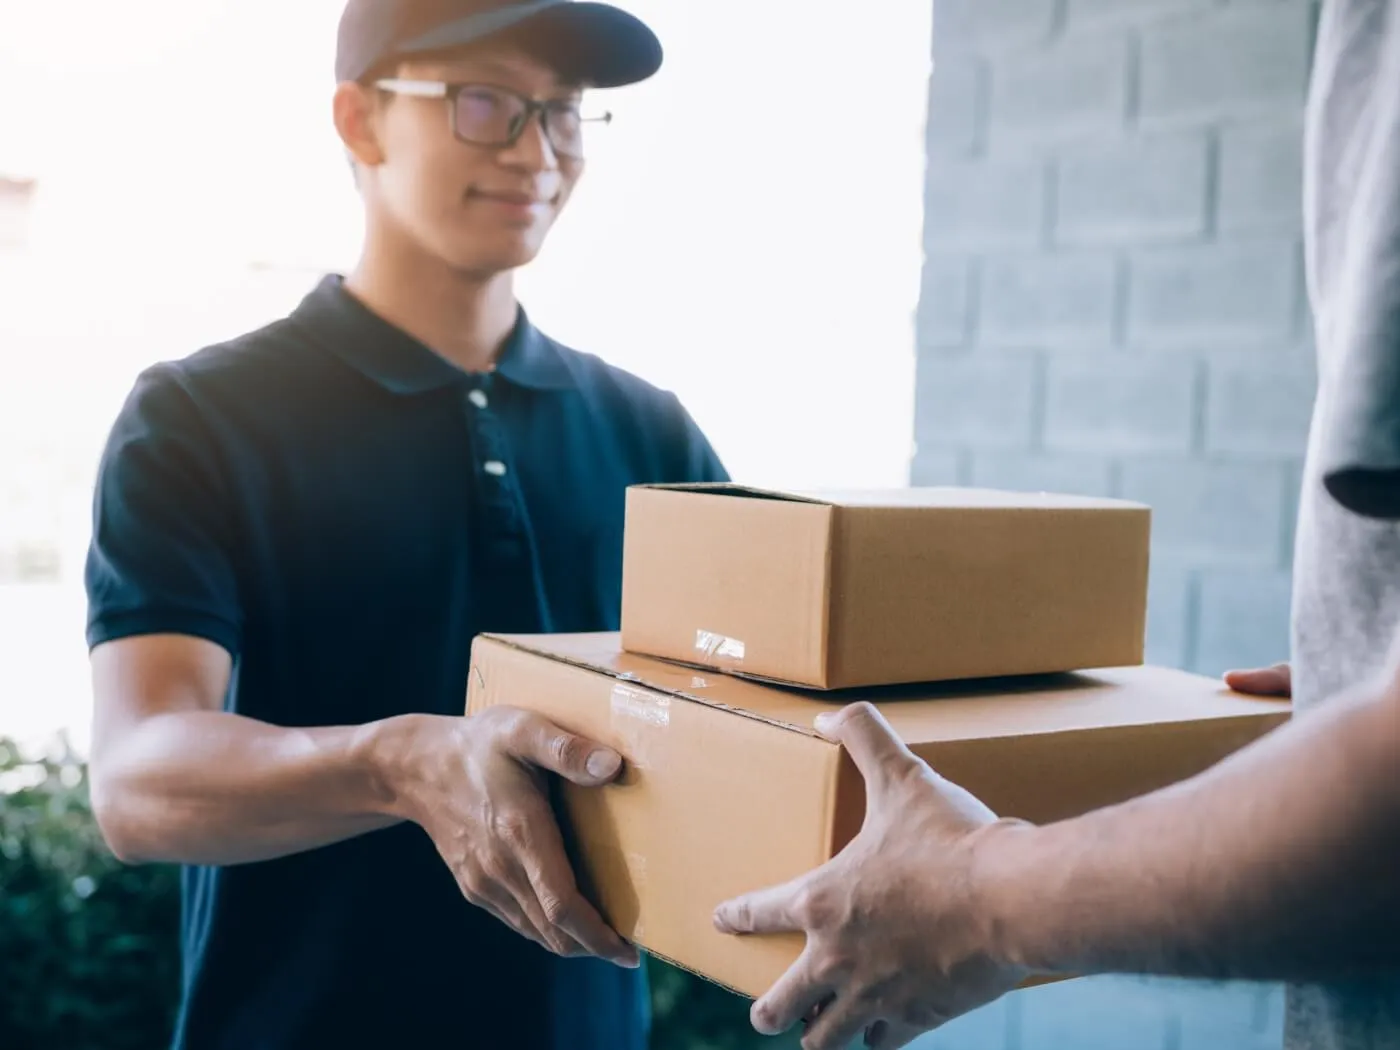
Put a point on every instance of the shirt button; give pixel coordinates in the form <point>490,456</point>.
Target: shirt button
<point>478,398</point>
<point>495,468</point>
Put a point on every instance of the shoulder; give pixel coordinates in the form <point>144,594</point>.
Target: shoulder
<point>599,378</point>
<point>218,378</point>
<point>655,416</point>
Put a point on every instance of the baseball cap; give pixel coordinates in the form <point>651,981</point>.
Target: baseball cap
<point>594,43</point>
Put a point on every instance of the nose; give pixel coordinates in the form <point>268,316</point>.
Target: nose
<point>532,151</point>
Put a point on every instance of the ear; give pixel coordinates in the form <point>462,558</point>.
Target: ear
<point>356,122</point>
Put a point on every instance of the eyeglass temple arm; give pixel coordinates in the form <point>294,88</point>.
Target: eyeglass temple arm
<point>421,88</point>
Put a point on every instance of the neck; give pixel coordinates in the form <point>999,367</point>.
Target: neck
<point>465,318</point>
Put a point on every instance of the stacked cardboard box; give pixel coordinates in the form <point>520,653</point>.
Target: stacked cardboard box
<point>1001,634</point>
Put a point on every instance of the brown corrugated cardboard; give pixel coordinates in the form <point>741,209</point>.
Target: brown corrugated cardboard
<point>878,588</point>
<point>728,788</point>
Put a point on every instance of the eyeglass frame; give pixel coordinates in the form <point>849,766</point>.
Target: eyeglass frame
<point>449,91</point>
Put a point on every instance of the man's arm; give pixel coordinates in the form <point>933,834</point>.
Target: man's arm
<point>177,779</point>
<point>1281,862</point>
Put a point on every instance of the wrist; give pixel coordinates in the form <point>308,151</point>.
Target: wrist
<point>383,753</point>
<point>1008,895</point>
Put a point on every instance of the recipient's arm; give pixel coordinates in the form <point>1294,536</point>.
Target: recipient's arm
<point>1282,862</point>
<point>176,779</point>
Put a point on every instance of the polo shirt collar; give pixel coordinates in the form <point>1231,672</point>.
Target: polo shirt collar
<point>401,364</point>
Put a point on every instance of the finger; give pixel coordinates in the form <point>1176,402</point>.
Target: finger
<point>771,910</point>
<point>838,1026</point>
<point>1268,681</point>
<point>542,743</point>
<point>557,900</point>
<point>795,995</point>
<point>527,902</point>
<point>495,900</point>
<point>874,746</point>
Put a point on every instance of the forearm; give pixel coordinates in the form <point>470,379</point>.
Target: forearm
<point>1281,863</point>
<point>215,788</point>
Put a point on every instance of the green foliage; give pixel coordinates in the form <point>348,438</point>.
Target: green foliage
<point>89,956</point>
<point>88,947</point>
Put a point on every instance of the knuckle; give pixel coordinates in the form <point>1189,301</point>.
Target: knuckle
<point>557,909</point>
<point>511,827</point>
<point>566,750</point>
<point>812,906</point>
<point>829,968</point>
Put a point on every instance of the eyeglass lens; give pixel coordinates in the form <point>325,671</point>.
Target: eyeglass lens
<point>488,116</point>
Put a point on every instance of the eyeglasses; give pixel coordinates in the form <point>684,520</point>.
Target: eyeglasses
<point>496,117</point>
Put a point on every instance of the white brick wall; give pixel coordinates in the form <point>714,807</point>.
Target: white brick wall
<point>1113,303</point>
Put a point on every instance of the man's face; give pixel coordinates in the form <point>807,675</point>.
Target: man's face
<point>481,209</point>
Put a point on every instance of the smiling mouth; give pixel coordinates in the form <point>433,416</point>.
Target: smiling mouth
<point>515,200</point>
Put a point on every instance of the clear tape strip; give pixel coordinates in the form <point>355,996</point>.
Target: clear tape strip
<point>718,646</point>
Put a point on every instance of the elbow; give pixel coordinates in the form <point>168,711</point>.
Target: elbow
<point>112,811</point>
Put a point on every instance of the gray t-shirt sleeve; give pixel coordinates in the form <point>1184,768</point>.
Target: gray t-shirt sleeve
<point>1352,212</point>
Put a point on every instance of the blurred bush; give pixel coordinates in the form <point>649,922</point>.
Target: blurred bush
<point>89,948</point>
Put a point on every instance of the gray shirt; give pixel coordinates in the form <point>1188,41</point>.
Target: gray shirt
<point>1346,604</point>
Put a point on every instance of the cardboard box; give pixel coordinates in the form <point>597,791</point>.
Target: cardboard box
<point>880,588</point>
<point>728,789</point>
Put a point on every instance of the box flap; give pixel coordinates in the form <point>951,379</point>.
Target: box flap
<point>728,488</point>
<point>951,497</point>
<point>985,709</point>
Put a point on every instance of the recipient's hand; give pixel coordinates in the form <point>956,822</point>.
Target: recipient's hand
<point>1269,681</point>
<point>896,942</point>
<point>478,787</point>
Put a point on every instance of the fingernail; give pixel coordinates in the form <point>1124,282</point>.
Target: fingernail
<point>603,764</point>
<point>826,722</point>
<point>721,923</point>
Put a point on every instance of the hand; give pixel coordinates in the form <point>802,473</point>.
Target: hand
<point>477,787</point>
<point>1270,681</point>
<point>896,942</point>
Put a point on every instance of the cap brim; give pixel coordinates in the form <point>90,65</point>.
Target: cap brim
<point>593,43</point>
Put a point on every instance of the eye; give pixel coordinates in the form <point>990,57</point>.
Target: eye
<point>481,104</point>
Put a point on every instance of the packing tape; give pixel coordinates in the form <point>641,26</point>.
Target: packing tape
<point>718,646</point>
<point>637,716</point>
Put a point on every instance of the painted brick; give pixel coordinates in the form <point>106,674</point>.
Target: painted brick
<point>1237,1015</point>
<point>1245,291</point>
<point>945,302</point>
<point>1127,404</point>
<point>1094,1013</point>
<point>1098,12</point>
<point>1258,410</point>
<point>1134,191</point>
<point>1048,300</point>
<point>1227,61</point>
<point>1035,472</point>
<point>1076,87</point>
<point>982,400</point>
<point>1215,513</point>
<point>959,23</point>
<point>1261,179</point>
<point>955,107</point>
<point>1244,620</point>
<point>937,466</point>
<point>984,205</point>
<point>1169,612</point>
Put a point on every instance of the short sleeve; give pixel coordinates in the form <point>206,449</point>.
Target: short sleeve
<point>161,555</point>
<point>701,462</point>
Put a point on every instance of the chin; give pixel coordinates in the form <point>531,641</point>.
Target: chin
<point>505,253</point>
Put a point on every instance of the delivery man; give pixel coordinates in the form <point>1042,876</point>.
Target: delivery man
<point>298,534</point>
<point>1282,863</point>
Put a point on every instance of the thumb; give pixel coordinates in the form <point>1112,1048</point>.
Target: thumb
<point>1268,681</point>
<point>578,759</point>
<point>874,746</point>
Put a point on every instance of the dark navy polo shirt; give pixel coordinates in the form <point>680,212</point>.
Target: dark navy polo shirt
<point>343,510</point>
